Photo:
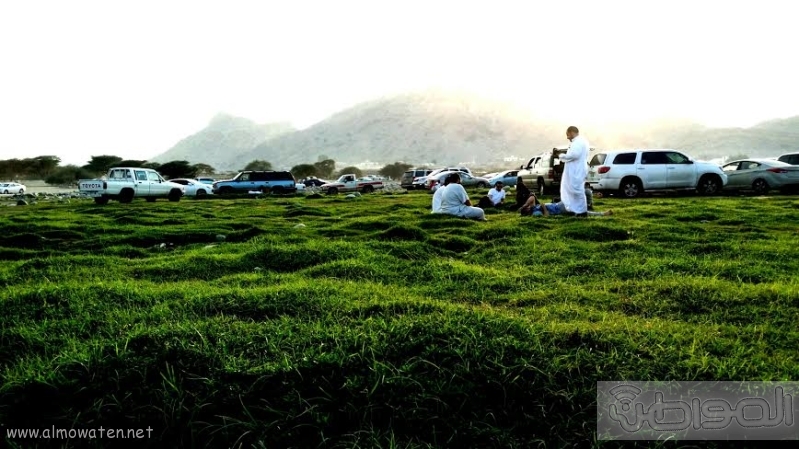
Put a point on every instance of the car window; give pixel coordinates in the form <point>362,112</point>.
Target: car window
<point>512,173</point>
<point>677,158</point>
<point>732,167</point>
<point>141,175</point>
<point>599,159</point>
<point>244,177</point>
<point>153,176</point>
<point>180,181</point>
<point>654,157</point>
<point>622,159</point>
<point>748,165</point>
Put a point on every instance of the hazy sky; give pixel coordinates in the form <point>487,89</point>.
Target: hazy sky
<point>133,77</point>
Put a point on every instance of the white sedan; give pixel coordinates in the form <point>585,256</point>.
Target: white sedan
<point>194,187</point>
<point>12,187</point>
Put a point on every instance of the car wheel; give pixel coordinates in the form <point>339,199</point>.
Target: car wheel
<point>201,193</point>
<point>332,191</point>
<point>150,199</point>
<point>101,200</point>
<point>368,189</point>
<point>709,185</point>
<point>760,186</point>
<point>21,191</point>
<point>542,188</point>
<point>481,185</point>
<point>226,190</point>
<point>277,190</point>
<point>126,196</point>
<point>630,188</point>
<point>5,192</point>
<point>174,195</point>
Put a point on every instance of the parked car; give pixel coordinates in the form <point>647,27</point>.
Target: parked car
<point>424,181</point>
<point>409,177</point>
<point>350,183</point>
<point>507,177</point>
<point>467,180</point>
<point>264,181</point>
<point>12,187</point>
<point>543,172</point>
<point>209,181</point>
<point>632,172</point>
<point>789,158</point>
<point>126,183</point>
<point>761,175</point>
<point>193,187</point>
<point>312,182</point>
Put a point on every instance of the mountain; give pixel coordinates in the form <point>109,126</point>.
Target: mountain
<point>430,126</point>
<point>445,127</point>
<point>225,137</point>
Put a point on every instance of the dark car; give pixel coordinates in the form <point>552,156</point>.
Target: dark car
<point>313,182</point>
<point>409,176</point>
<point>264,181</point>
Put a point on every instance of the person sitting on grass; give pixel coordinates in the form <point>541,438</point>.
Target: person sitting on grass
<point>455,200</point>
<point>522,193</point>
<point>495,197</point>
<point>535,208</point>
<point>437,196</point>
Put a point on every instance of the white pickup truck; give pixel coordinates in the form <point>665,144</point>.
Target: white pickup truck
<point>125,183</point>
<point>350,183</point>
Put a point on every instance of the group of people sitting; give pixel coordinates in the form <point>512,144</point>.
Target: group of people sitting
<point>451,198</point>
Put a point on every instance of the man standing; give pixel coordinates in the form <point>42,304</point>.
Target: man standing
<point>575,170</point>
<point>495,197</point>
<point>455,201</point>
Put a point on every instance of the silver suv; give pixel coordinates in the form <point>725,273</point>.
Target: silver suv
<point>789,158</point>
<point>543,172</point>
<point>632,172</point>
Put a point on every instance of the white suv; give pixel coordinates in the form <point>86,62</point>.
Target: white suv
<point>632,172</point>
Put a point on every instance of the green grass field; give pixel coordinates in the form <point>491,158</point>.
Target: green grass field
<point>378,324</point>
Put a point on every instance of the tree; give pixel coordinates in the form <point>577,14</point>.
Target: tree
<point>43,166</point>
<point>395,170</point>
<point>258,165</point>
<point>325,168</point>
<point>204,169</point>
<point>177,169</point>
<point>303,171</point>
<point>151,165</point>
<point>322,157</point>
<point>351,170</point>
<point>132,163</point>
<point>67,175</point>
<point>100,164</point>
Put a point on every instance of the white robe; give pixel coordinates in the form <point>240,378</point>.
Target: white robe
<point>572,184</point>
<point>437,199</point>
<point>452,203</point>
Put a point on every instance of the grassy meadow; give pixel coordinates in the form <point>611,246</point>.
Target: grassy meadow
<point>369,322</point>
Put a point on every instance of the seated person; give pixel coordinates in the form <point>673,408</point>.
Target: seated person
<point>535,208</point>
<point>455,200</point>
<point>437,196</point>
<point>495,197</point>
<point>522,193</point>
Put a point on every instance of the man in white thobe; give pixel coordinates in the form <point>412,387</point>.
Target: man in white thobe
<point>575,170</point>
<point>437,197</point>
<point>455,201</point>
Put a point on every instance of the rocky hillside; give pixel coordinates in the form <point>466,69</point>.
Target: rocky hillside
<point>420,127</point>
<point>447,128</point>
<point>223,141</point>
